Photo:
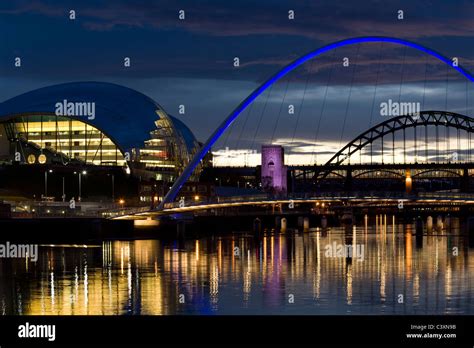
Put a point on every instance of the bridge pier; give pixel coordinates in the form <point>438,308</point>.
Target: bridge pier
<point>181,228</point>
<point>283,225</point>
<point>470,228</point>
<point>257,225</point>
<point>300,221</point>
<point>447,222</point>
<point>429,224</point>
<point>277,222</point>
<point>306,224</point>
<point>324,222</point>
<point>465,180</point>
<point>348,182</point>
<point>439,223</point>
<point>419,226</point>
<point>470,231</point>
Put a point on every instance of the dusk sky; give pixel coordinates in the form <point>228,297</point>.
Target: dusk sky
<point>190,61</point>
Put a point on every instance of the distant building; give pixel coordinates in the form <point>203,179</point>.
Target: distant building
<point>91,125</point>
<point>274,171</point>
<point>94,124</point>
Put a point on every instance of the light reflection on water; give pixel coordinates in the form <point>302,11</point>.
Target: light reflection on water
<point>241,274</point>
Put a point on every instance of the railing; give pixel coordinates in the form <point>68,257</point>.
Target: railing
<point>111,213</point>
<point>371,195</point>
<point>113,210</point>
<point>59,209</point>
<point>218,200</point>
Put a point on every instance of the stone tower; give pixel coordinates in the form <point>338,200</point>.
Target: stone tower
<point>273,169</point>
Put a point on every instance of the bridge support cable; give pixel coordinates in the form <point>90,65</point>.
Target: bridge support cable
<point>244,125</point>
<point>426,144</point>
<point>458,133</point>
<point>448,147</point>
<point>261,116</point>
<point>437,144</point>
<point>375,95</point>
<point>188,171</point>
<point>226,139</point>
<point>280,110</point>
<point>400,99</point>
<point>424,84</point>
<point>382,149</point>
<point>314,158</point>
<point>393,147</point>
<point>470,147</point>
<point>404,147</point>
<point>349,96</point>
<point>437,119</point>
<point>447,87</point>
<point>300,109</point>
<point>376,84</point>
<point>401,74</point>
<point>371,153</point>
<point>467,98</point>
<point>416,145</point>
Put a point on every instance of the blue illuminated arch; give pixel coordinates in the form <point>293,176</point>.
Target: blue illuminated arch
<point>171,195</point>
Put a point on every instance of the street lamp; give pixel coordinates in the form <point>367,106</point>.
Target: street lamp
<point>46,182</point>
<point>122,202</point>
<point>64,190</point>
<point>80,184</point>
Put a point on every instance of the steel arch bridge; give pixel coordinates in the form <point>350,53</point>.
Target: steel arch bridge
<point>173,192</point>
<point>390,127</point>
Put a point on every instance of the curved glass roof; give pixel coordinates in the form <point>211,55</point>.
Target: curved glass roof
<point>124,114</point>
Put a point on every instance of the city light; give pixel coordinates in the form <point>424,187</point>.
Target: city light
<point>369,214</point>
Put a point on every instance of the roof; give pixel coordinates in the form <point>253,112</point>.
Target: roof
<point>124,114</point>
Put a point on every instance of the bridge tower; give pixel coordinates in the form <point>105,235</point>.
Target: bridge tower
<point>274,171</point>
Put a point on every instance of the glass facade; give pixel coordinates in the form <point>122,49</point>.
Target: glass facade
<point>166,149</point>
<point>127,129</point>
<point>73,139</point>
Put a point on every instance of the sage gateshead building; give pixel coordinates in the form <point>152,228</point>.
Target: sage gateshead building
<point>94,124</point>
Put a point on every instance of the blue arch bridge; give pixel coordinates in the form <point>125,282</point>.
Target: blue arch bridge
<point>348,181</point>
<point>373,171</point>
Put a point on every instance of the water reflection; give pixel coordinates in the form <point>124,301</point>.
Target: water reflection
<point>241,274</point>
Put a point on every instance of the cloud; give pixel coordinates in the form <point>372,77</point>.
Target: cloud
<point>322,21</point>
<point>244,26</point>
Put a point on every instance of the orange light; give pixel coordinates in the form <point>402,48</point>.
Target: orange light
<point>196,198</point>
<point>408,182</point>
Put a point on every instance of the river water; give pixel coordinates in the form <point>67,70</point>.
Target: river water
<point>391,271</point>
